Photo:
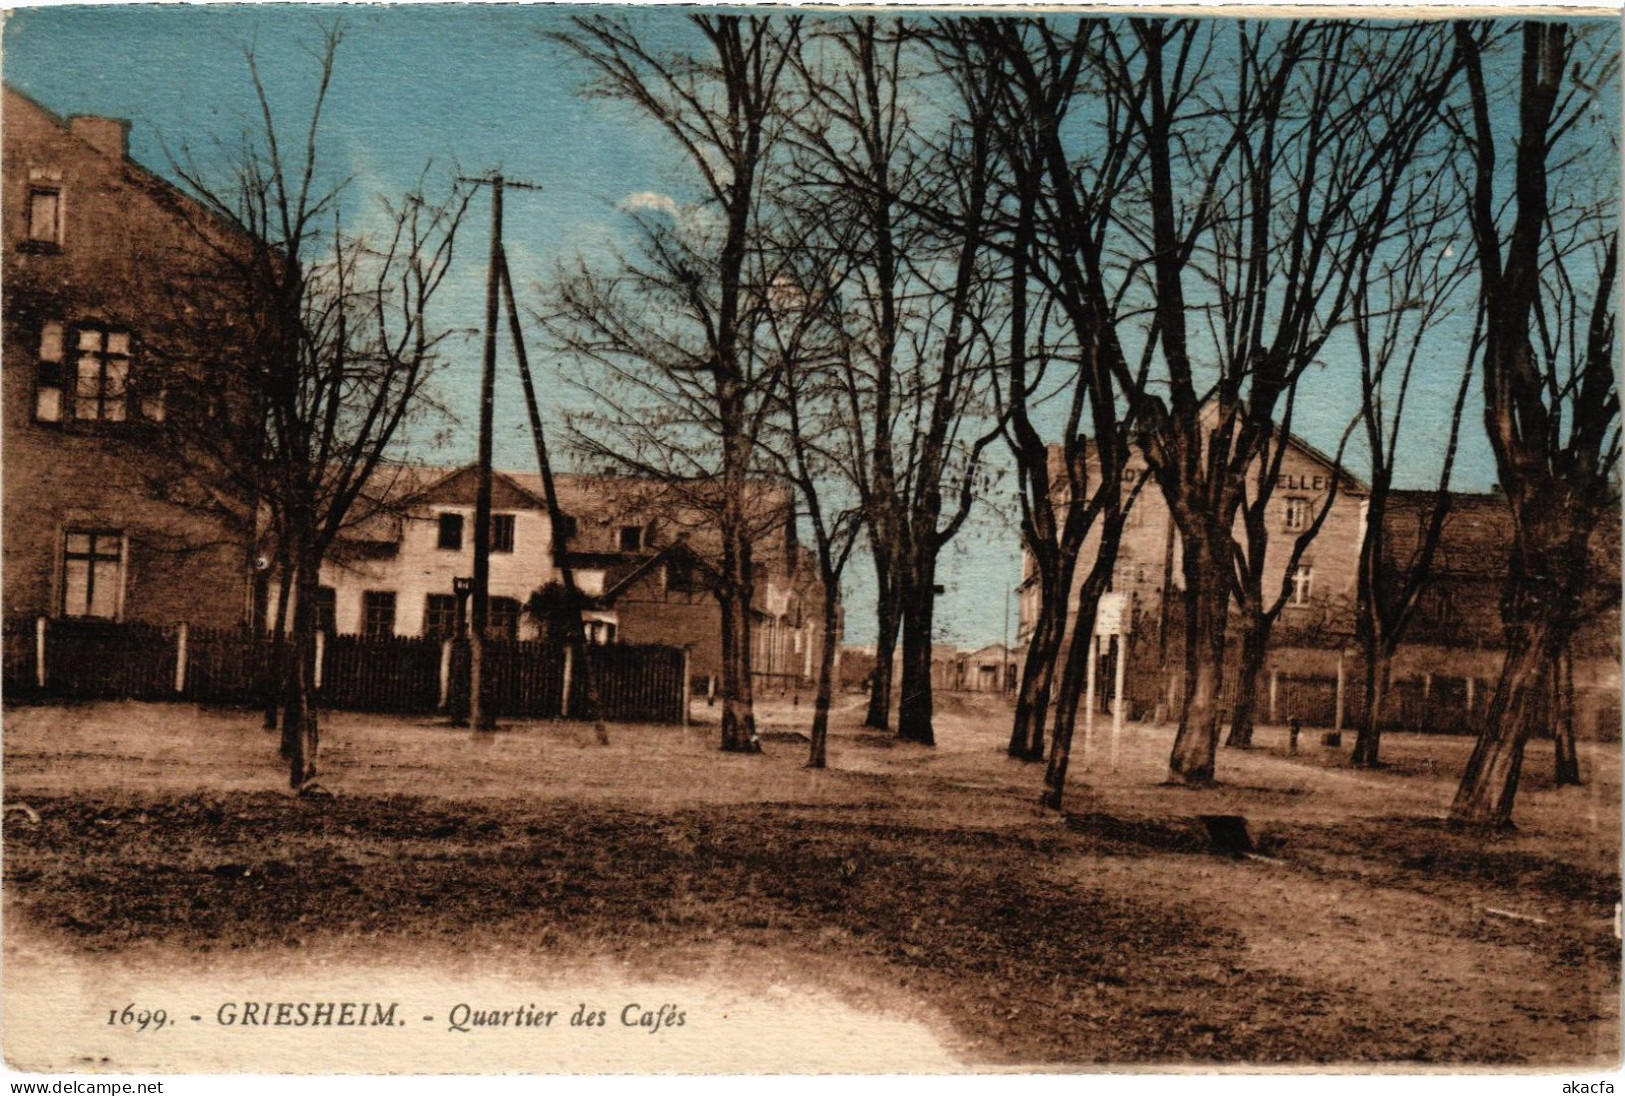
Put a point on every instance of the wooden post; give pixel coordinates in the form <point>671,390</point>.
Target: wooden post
<point>1275,680</point>
<point>180,658</point>
<point>1117,696</point>
<point>1471,682</point>
<point>321,658</point>
<point>39,652</point>
<point>1089,702</point>
<point>1338,724</point>
<point>479,717</point>
<point>685,685</point>
<point>445,674</point>
<point>564,690</point>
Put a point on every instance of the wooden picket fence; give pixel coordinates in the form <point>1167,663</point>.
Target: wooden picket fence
<point>405,675</point>
<point>636,684</point>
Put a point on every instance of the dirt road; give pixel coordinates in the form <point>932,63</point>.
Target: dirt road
<point>920,890</point>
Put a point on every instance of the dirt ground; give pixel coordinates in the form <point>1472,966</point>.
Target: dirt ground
<point>916,892</point>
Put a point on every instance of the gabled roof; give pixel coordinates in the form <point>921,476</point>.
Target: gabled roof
<point>460,487</point>
<point>160,188</point>
<point>644,566</point>
<point>1351,483</point>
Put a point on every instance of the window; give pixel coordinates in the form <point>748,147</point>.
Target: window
<point>378,614</point>
<point>92,572</point>
<point>1295,514</point>
<point>502,619</point>
<point>568,527</point>
<point>440,616</point>
<point>102,374</point>
<point>327,610</point>
<point>451,532</point>
<point>501,532</point>
<point>101,385</point>
<point>599,633</point>
<point>1302,584</point>
<point>631,538</point>
<point>45,217</point>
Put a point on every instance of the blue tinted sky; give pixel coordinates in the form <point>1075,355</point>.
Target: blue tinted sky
<point>474,86</point>
<point>477,88</point>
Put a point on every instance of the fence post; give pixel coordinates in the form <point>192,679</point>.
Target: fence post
<point>564,691</point>
<point>1338,724</point>
<point>1470,683</point>
<point>321,657</point>
<point>1275,676</point>
<point>686,697</point>
<point>39,652</point>
<point>180,658</point>
<point>445,673</point>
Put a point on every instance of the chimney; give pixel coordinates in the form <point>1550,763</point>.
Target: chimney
<point>109,136</point>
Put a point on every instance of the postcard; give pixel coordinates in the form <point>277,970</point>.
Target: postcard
<point>578,540</point>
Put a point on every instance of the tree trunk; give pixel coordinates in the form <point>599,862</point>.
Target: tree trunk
<point>1074,673</point>
<point>1037,681</point>
<point>1368,740</point>
<point>1254,648</point>
<point>300,730</point>
<point>276,672</point>
<point>1490,784</point>
<point>1562,708</point>
<point>826,674</point>
<point>879,714</point>
<point>738,717</point>
<point>1207,601</point>
<point>914,705</point>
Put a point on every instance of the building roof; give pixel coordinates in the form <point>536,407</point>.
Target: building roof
<point>601,506</point>
<point>80,127</point>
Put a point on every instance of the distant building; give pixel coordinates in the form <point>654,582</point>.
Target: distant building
<point>993,669</point>
<point>1453,647</point>
<point>1149,558</point>
<point>1451,656</point>
<point>99,523</point>
<point>642,563</point>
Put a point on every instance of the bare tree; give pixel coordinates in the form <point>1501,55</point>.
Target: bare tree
<point>855,164</point>
<point>1546,261</point>
<point>810,437</point>
<point>1260,603</point>
<point>919,301</point>
<point>1400,301</point>
<point>1260,189</point>
<point>675,333</point>
<point>338,348</point>
<point>1063,350</point>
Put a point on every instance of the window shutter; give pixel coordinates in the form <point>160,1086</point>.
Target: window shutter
<point>48,383</point>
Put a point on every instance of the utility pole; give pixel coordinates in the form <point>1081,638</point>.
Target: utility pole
<point>575,650</point>
<point>482,719</point>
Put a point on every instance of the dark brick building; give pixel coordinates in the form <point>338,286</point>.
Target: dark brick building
<point>99,522</point>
